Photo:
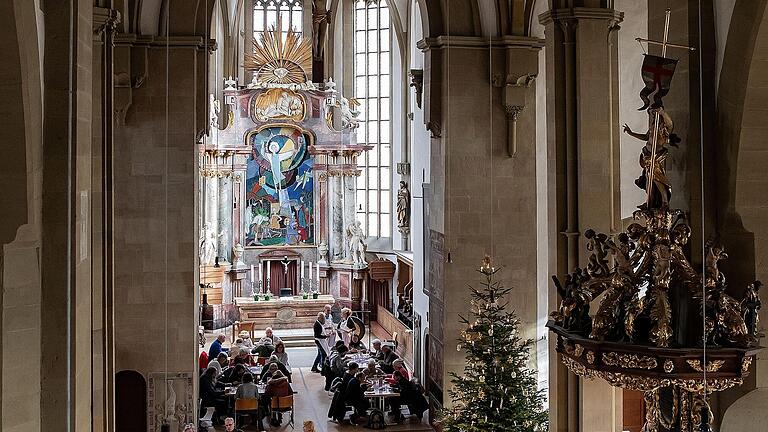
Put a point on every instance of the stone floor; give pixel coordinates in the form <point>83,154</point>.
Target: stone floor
<point>312,403</point>
<point>312,400</point>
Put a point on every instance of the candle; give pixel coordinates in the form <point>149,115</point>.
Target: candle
<point>252,279</point>
<point>261,271</point>
<point>318,273</point>
<point>268,268</point>
<point>310,270</point>
<point>301,264</point>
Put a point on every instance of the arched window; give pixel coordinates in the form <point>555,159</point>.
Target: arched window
<point>266,13</point>
<point>372,72</point>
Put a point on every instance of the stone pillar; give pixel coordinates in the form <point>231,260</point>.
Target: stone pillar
<point>350,195</point>
<point>321,214</point>
<point>211,201</point>
<point>65,252</point>
<point>337,247</point>
<point>583,137</point>
<point>225,217</point>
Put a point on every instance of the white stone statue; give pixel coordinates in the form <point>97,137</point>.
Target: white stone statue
<point>349,112</point>
<point>356,244</point>
<point>237,255</point>
<point>209,247</point>
<point>287,105</point>
<point>322,249</point>
<point>213,112</point>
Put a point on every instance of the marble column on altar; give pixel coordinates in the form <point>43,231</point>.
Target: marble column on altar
<point>225,218</point>
<point>211,191</point>
<point>321,220</point>
<point>337,219</point>
<point>350,191</point>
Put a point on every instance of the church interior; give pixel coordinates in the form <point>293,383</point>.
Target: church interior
<point>227,215</point>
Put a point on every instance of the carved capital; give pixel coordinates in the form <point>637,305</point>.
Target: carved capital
<point>513,111</point>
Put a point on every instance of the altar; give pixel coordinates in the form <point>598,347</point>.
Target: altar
<point>278,190</point>
<point>293,312</point>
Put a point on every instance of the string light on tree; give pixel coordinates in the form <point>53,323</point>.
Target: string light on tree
<point>487,397</point>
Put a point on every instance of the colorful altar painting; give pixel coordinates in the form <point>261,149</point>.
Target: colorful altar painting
<point>279,188</point>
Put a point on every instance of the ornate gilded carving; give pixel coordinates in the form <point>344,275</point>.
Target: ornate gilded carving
<point>591,357</point>
<point>669,366</point>
<point>279,104</point>
<point>280,61</point>
<point>745,363</point>
<point>629,361</point>
<point>712,366</point>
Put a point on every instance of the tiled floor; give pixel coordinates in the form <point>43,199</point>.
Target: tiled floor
<point>312,403</point>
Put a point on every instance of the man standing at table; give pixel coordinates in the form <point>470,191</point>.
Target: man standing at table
<point>320,340</point>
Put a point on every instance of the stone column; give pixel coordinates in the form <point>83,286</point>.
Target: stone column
<point>225,217</point>
<point>350,191</point>
<point>583,137</point>
<point>338,250</point>
<point>211,190</point>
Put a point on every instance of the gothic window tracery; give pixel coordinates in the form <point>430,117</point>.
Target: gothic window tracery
<point>372,88</point>
<point>266,13</point>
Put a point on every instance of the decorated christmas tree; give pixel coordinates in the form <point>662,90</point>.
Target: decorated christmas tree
<point>496,392</point>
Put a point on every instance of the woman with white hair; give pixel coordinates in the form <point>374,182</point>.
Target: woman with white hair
<point>350,325</point>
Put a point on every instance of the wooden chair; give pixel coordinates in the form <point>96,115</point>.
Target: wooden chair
<point>247,407</point>
<point>282,404</point>
<point>238,326</point>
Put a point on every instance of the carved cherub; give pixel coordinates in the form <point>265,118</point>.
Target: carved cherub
<point>573,313</point>
<point>598,262</point>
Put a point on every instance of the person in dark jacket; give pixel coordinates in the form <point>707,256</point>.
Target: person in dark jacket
<point>410,394</point>
<point>355,396</point>
<point>277,386</point>
<point>320,340</point>
<point>387,358</point>
<point>216,347</point>
<point>233,375</point>
<point>335,365</point>
<point>211,396</point>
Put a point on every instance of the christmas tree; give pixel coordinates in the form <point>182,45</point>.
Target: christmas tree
<point>497,392</point>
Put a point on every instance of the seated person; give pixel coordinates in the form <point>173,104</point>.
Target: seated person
<point>387,358</point>
<point>372,370</point>
<point>216,347</point>
<point>281,367</point>
<point>270,337</point>
<point>277,386</point>
<point>248,389</point>
<point>264,347</point>
<point>211,396</point>
<point>355,345</point>
<point>233,375</point>
<point>244,358</point>
<point>355,396</point>
<point>234,351</point>
<point>268,370</point>
<point>219,363</point>
<point>230,426</point>
<point>399,366</point>
<point>375,351</point>
<point>281,355</point>
<point>247,342</point>
<point>336,365</point>
<point>410,394</point>
<point>202,361</point>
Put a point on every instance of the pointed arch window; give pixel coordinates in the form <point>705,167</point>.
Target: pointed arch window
<point>267,12</point>
<point>372,88</point>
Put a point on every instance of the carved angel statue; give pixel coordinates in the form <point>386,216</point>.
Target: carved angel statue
<point>213,112</point>
<point>349,112</point>
<point>209,247</point>
<point>356,244</point>
<point>404,208</point>
<point>661,187</point>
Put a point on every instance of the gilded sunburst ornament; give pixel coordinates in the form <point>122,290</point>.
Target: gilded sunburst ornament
<point>279,60</point>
